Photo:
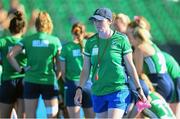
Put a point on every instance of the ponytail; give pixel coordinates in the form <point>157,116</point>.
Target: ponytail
<point>17,23</point>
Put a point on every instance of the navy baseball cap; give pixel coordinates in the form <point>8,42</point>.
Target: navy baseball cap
<point>101,14</point>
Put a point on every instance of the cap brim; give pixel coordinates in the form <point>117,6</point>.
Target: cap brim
<point>97,17</point>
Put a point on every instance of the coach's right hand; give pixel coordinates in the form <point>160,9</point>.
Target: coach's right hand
<point>78,97</point>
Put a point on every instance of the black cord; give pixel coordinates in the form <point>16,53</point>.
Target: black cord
<point>79,87</point>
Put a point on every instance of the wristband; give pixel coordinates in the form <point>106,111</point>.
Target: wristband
<point>22,71</point>
<point>79,87</point>
<point>138,89</point>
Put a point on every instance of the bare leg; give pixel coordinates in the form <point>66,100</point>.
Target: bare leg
<point>62,111</point>
<point>176,109</point>
<point>30,107</point>
<point>74,112</point>
<point>20,108</point>
<point>102,114</point>
<point>88,112</point>
<point>115,113</point>
<point>51,107</point>
<point>5,110</point>
<point>173,107</point>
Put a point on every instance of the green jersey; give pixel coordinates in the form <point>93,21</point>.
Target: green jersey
<point>108,54</point>
<point>41,48</point>
<point>156,63</point>
<point>71,54</point>
<point>160,107</point>
<point>8,72</point>
<point>172,66</point>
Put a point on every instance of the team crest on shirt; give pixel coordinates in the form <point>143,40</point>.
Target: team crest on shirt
<point>76,53</point>
<point>40,43</point>
<point>95,50</point>
<point>114,44</point>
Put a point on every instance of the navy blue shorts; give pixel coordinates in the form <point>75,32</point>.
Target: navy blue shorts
<point>33,91</point>
<point>164,85</point>
<point>11,90</point>
<point>70,90</point>
<point>119,99</point>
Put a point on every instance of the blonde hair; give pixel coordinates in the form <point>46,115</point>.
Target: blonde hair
<point>44,23</point>
<point>124,18</point>
<point>142,22</point>
<point>139,31</point>
<point>143,34</point>
<point>147,81</point>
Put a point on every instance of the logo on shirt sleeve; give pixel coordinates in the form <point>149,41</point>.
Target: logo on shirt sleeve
<point>76,53</point>
<point>95,50</point>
